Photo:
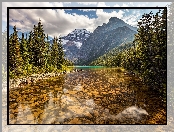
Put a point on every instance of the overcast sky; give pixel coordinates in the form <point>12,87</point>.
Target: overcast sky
<point>61,21</point>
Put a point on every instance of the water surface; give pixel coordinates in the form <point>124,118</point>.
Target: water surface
<point>92,96</point>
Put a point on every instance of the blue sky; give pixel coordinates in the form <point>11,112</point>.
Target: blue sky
<point>61,22</point>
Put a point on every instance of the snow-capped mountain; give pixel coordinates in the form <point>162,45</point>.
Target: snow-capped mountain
<point>82,47</point>
<point>72,43</point>
<point>77,35</point>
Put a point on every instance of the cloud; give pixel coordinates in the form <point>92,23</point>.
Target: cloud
<point>55,22</point>
<point>58,22</point>
<point>132,19</point>
<point>103,17</point>
<point>27,4</point>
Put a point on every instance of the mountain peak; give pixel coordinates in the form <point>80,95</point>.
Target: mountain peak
<point>113,19</point>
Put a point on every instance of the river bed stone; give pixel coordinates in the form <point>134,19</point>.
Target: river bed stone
<point>87,97</point>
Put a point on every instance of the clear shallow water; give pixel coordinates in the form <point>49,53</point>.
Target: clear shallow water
<point>95,95</point>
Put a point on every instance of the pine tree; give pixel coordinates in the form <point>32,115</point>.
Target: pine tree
<point>31,48</point>
<point>47,55</point>
<point>40,46</point>
<point>15,59</point>
<point>60,53</point>
<point>35,45</point>
<point>25,55</point>
<point>151,48</point>
<point>54,53</point>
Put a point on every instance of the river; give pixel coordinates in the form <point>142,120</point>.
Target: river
<point>95,95</point>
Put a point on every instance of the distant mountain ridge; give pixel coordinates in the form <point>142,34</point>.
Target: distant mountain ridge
<point>72,43</point>
<point>105,38</point>
<point>82,47</point>
<point>78,35</point>
<point>113,23</point>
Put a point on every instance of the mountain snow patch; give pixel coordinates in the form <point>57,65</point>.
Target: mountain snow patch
<point>64,41</point>
<point>78,44</point>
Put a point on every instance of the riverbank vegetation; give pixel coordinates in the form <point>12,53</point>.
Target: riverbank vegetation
<point>147,54</point>
<point>34,54</point>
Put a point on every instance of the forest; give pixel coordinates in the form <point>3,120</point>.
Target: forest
<point>35,54</point>
<point>147,54</point>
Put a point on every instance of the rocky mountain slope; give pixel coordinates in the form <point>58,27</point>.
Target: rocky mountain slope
<point>83,47</point>
<point>105,38</point>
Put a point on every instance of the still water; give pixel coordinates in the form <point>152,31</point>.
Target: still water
<point>95,95</point>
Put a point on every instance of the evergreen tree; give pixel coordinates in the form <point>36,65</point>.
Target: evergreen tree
<point>15,59</point>
<point>35,46</point>
<point>31,48</point>
<point>25,55</point>
<point>34,55</point>
<point>40,46</point>
<point>47,55</point>
<point>60,53</point>
<point>54,53</point>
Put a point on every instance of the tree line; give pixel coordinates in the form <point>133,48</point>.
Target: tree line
<point>34,54</point>
<point>148,54</point>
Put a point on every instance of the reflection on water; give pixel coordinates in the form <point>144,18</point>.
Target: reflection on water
<point>92,96</point>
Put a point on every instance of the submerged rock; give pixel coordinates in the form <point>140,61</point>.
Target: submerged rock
<point>131,114</point>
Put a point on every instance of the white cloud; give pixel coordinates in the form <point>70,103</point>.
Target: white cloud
<point>132,19</point>
<point>55,22</point>
<point>27,4</point>
<point>103,17</point>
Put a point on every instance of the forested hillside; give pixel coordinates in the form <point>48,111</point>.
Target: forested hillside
<point>34,54</point>
<point>148,53</point>
<point>112,58</point>
<point>105,38</point>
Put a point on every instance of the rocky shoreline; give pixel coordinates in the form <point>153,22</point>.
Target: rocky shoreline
<point>20,82</point>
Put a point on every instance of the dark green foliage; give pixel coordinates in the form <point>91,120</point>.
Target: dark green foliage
<point>101,42</point>
<point>15,59</point>
<point>60,53</point>
<point>34,55</point>
<point>113,57</point>
<point>147,54</point>
<point>25,55</point>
